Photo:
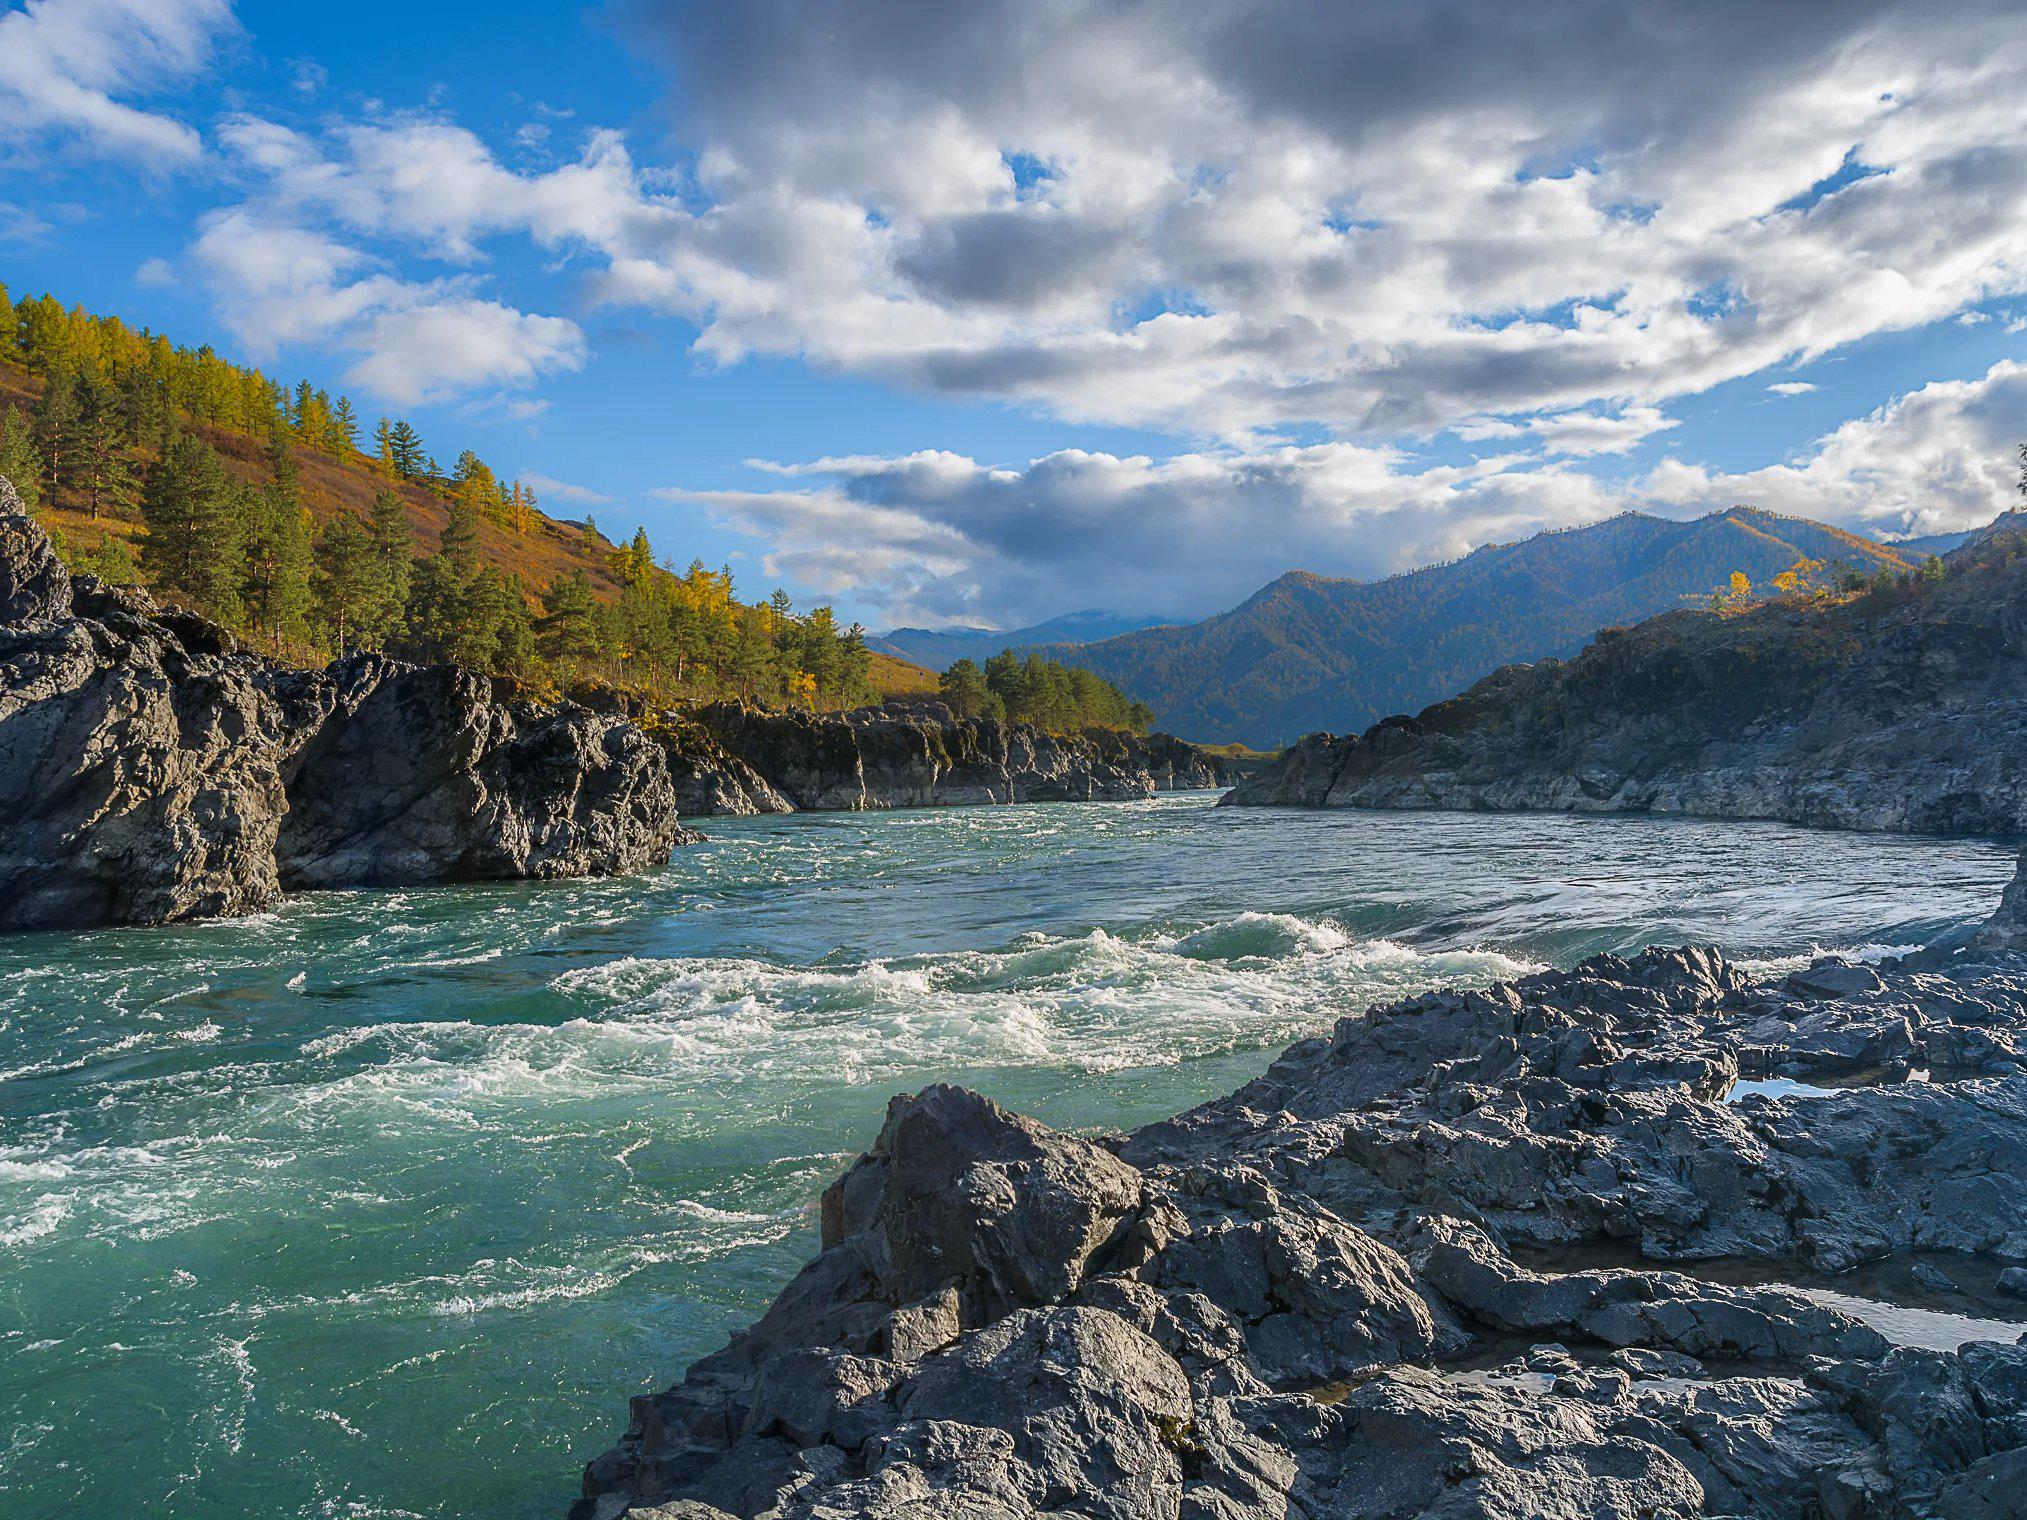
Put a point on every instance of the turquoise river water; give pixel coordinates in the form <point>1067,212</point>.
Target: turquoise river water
<point>383,1204</point>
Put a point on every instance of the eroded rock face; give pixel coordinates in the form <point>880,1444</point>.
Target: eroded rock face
<point>1374,1282</point>
<point>149,773</point>
<point>907,755</point>
<point>139,762</point>
<point>415,774</point>
<point>1887,714</point>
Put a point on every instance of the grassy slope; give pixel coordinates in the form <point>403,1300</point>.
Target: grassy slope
<point>332,486</point>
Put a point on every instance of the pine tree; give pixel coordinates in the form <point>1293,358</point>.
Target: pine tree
<point>99,454</point>
<point>277,548</point>
<point>383,449</point>
<point>393,567</point>
<point>112,560</point>
<point>346,583</point>
<point>751,653</point>
<point>195,517</point>
<point>56,426</point>
<point>145,409</point>
<point>344,428</point>
<point>406,453</point>
<point>20,460</point>
<point>445,601</point>
<point>513,632</point>
<point>569,625</point>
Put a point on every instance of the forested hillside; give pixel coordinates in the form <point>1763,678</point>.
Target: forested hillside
<point>1309,652</point>
<point>1050,695</point>
<point>283,514</point>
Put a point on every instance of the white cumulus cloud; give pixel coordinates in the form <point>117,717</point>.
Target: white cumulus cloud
<point>66,67</point>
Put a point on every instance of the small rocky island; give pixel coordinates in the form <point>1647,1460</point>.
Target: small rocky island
<point>151,771</point>
<point>1904,708</point>
<point>1521,1252</point>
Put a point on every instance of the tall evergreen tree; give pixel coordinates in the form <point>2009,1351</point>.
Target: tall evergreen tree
<point>569,632</point>
<point>20,460</point>
<point>56,417</point>
<point>195,516</point>
<point>405,448</point>
<point>277,549</point>
<point>393,568</point>
<point>346,582</point>
<point>99,453</point>
<point>447,607</point>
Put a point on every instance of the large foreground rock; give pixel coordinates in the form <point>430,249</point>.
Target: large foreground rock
<point>1901,710</point>
<point>1459,1258</point>
<point>149,773</point>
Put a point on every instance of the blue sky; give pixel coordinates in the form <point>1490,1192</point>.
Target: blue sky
<point>992,313</point>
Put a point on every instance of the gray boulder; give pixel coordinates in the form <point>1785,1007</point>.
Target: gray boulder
<point>1309,1297</point>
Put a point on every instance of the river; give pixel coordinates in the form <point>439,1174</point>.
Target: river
<point>381,1204</point>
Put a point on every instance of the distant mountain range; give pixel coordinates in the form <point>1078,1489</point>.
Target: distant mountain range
<point>940,648</point>
<point>1310,652</point>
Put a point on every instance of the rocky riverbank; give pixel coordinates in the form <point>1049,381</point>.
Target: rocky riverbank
<point>149,773</point>
<point>1899,710</point>
<point>730,759</point>
<point>1510,1253</point>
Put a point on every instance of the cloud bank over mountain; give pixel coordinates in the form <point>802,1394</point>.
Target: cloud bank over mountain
<point>1383,281</point>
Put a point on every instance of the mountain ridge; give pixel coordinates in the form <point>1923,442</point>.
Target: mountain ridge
<point>1308,651</point>
<point>940,648</point>
<point>1897,708</point>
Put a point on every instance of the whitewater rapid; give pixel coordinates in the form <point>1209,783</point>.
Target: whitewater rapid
<point>371,1206</point>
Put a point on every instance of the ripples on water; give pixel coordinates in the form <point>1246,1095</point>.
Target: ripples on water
<point>381,1204</point>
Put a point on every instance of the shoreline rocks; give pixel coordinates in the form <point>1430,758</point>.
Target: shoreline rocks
<point>1369,1282</point>
<point>732,759</point>
<point>1902,711</point>
<point>151,774</point>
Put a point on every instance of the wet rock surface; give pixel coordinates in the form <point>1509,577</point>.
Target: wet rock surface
<point>735,759</point>
<point>1374,1281</point>
<point>150,773</point>
<point>1889,713</point>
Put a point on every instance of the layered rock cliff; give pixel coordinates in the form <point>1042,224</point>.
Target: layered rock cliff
<point>149,773</point>
<point>1901,710</point>
<point>1503,1254</point>
<point>735,759</point>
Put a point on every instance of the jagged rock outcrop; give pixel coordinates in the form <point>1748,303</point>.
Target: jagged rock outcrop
<point>149,773</point>
<point>1458,1258</point>
<point>2007,928</point>
<point>737,759</point>
<point>1893,711</point>
<point>139,761</point>
<point>404,775</point>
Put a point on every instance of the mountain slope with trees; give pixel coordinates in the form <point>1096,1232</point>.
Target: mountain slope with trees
<point>1310,652</point>
<point>1901,705</point>
<point>279,513</point>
